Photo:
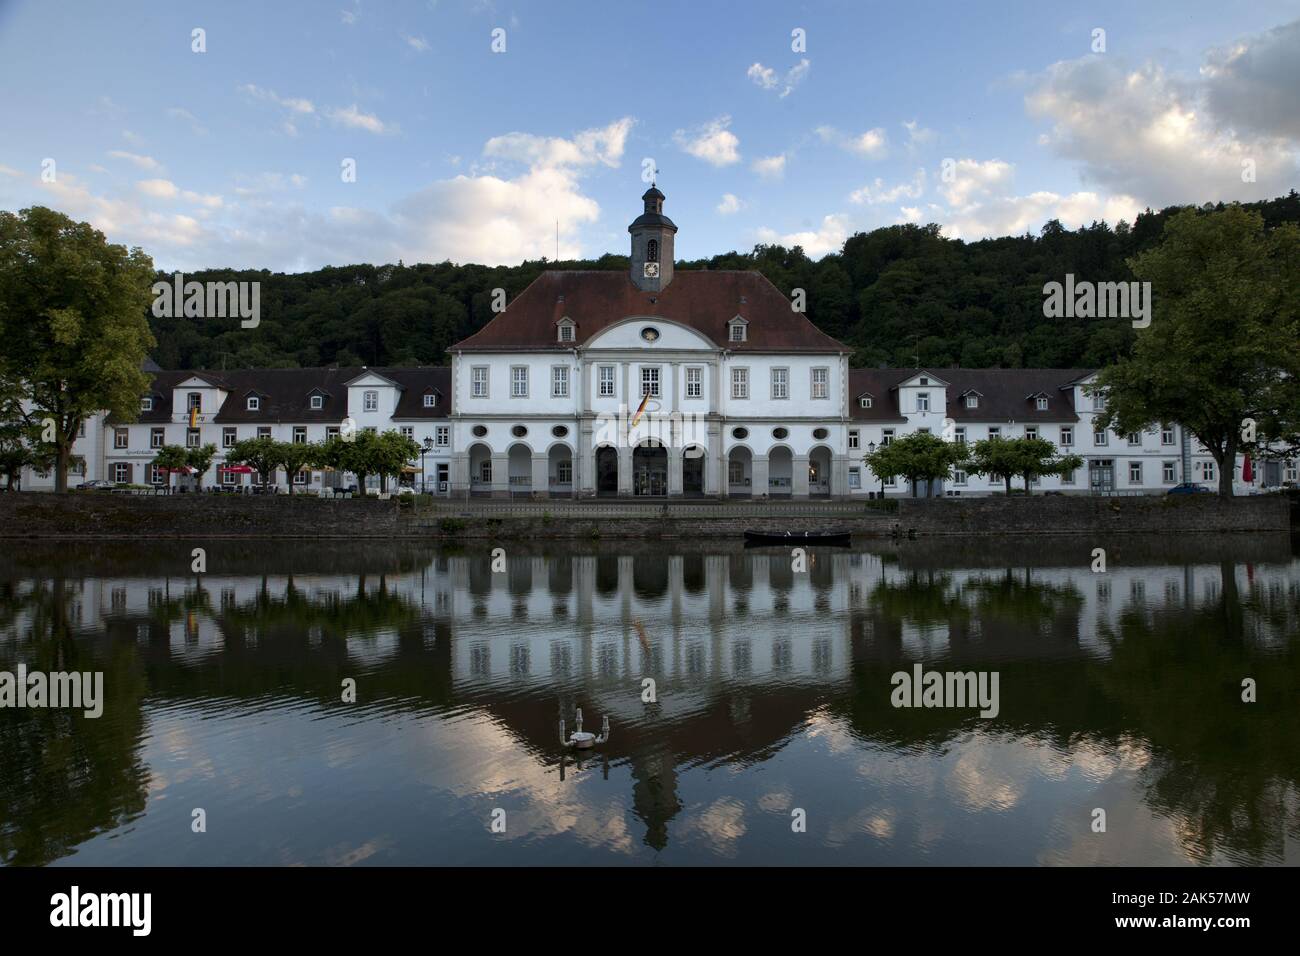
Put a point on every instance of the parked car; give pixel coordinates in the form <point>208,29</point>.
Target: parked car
<point>1187,488</point>
<point>99,484</point>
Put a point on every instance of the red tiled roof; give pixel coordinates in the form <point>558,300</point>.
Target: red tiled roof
<point>702,300</point>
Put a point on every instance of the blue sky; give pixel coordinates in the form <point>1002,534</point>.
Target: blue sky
<point>234,156</point>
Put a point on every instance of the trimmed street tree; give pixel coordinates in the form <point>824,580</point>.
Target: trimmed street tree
<point>294,457</point>
<point>1038,458</point>
<point>918,457</point>
<point>260,454</point>
<point>994,458</point>
<point>200,459</point>
<point>73,323</point>
<point>1223,348</point>
<point>173,458</point>
<point>393,452</point>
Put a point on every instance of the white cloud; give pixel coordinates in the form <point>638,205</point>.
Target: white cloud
<point>158,188</point>
<point>1253,84</point>
<point>603,145</point>
<point>1013,215</point>
<point>185,115</point>
<point>768,78</point>
<point>712,142</point>
<point>769,167</point>
<point>295,104</point>
<point>144,162</point>
<point>829,238</point>
<point>918,135</point>
<point>873,144</point>
<point>418,44</point>
<point>964,181</point>
<point>353,118</point>
<point>876,192</point>
<point>9,171</point>
<point>1141,132</point>
<point>730,204</point>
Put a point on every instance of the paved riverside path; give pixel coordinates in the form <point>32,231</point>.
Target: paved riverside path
<point>655,508</point>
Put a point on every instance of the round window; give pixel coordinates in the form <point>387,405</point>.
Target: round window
<point>650,333</point>
<point>480,431</point>
<point>519,431</point>
<point>779,433</point>
<point>740,433</point>
<point>820,433</point>
<point>559,431</point>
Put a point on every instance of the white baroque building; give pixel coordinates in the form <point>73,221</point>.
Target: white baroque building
<point>654,383</point>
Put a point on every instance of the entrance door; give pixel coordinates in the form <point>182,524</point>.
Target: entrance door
<point>650,471</point>
<point>442,478</point>
<point>606,471</point>
<point>693,471</point>
<point>1101,476</point>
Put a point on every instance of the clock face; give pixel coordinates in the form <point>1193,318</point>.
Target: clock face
<point>652,270</point>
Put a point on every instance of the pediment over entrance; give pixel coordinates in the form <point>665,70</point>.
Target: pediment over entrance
<point>650,334</point>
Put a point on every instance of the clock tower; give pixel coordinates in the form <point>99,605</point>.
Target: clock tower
<point>652,244</point>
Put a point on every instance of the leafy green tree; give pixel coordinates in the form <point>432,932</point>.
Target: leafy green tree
<point>393,452</point>
<point>72,320</point>
<point>1038,458</point>
<point>293,457</point>
<point>200,459</point>
<point>994,458</point>
<point>1223,346</point>
<point>261,454</point>
<point>917,457</point>
<point>172,458</point>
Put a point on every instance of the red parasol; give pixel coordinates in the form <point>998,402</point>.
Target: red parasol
<point>1247,471</point>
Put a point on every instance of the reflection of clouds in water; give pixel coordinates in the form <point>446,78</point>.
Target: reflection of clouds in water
<point>776,802</point>
<point>721,825</point>
<point>343,856</point>
<point>878,822</point>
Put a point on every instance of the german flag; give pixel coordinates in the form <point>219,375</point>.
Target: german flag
<point>194,418</point>
<point>645,400</point>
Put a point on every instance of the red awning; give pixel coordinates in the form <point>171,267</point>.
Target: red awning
<point>237,469</point>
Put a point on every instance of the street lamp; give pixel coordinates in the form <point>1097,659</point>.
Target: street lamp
<point>424,450</point>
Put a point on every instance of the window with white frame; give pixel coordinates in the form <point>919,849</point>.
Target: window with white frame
<point>886,436</point>
<point>821,383</point>
<point>430,399</point>
<point>740,383</point>
<point>300,477</point>
<point>485,471</point>
<point>959,436</point>
<point>442,436</point>
<point>694,381</point>
<point>1040,403</point>
<point>922,401</point>
<point>958,477</point>
<point>478,381</point>
<point>1167,472</point>
<point>559,381</point>
<point>263,431</point>
<point>317,402</point>
<point>156,439</point>
<point>1135,472</point>
<point>737,332</point>
<point>566,332</point>
<point>519,381</point>
<point>890,482</point>
<point>227,437</point>
<point>120,437</point>
<point>650,380</point>
<point>331,432</point>
<point>156,475</point>
<point>229,477</point>
<point>146,404</point>
<point>864,401</point>
<point>1134,438</point>
<point>191,438</point>
<point>408,431</point>
<point>605,381</point>
<point>194,401</point>
<point>972,401</point>
<point>1098,402</point>
<point>564,472</point>
<point>995,431</point>
<point>121,472</point>
<point>780,383</point>
<point>300,434</point>
<point>370,401</point>
<point>1100,439</point>
<point>254,404</point>
<point>1031,432</point>
<point>1292,472</point>
<point>855,478</point>
<point>854,438</point>
<point>1067,436</point>
<point>1166,434</point>
<point>1067,477</point>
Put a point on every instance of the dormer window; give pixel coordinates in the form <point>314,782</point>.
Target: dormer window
<point>194,401</point>
<point>317,402</point>
<point>146,404</point>
<point>254,403</point>
<point>865,401</point>
<point>430,400</point>
<point>972,401</point>
<point>566,330</point>
<point>736,330</point>
<point>1040,403</point>
<point>370,401</point>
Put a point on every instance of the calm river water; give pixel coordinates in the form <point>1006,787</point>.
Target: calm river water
<point>1119,691</point>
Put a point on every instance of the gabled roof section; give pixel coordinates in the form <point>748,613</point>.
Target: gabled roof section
<point>703,300</point>
<point>369,372</point>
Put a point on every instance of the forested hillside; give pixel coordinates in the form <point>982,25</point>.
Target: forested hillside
<point>899,295</point>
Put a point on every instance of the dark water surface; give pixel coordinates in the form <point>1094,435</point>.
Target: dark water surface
<point>1119,691</point>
